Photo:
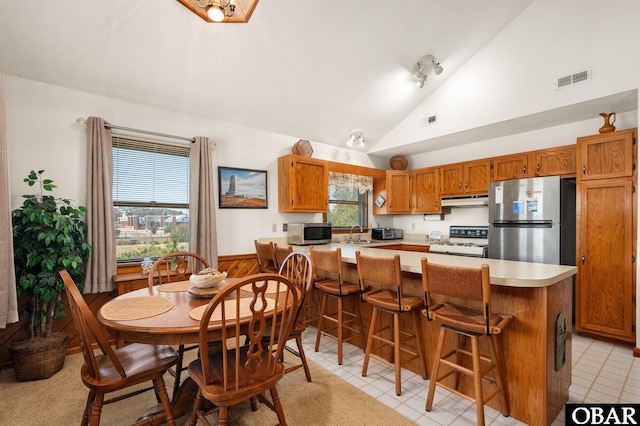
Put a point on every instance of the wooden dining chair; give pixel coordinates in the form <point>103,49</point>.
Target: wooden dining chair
<point>248,365</point>
<point>384,276</point>
<point>266,254</point>
<point>298,269</point>
<point>115,369</point>
<point>327,266</point>
<point>281,253</point>
<point>470,287</point>
<point>175,267</point>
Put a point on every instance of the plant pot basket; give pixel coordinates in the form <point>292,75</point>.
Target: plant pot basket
<point>39,358</point>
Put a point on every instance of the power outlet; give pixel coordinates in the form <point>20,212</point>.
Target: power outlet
<point>274,227</point>
<point>285,227</point>
<point>413,226</point>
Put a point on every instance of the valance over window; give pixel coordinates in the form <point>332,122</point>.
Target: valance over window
<point>345,180</point>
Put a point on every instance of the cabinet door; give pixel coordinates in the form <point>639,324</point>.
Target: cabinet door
<point>606,155</point>
<point>509,167</point>
<point>302,184</point>
<point>451,179</point>
<point>398,190</point>
<point>425,191</point>
<point>605,267</point>
<point>556,161</point>
<point>476,177</point>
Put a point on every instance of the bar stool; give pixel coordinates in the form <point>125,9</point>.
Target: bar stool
<point>266,254</point>
<point>388,297</point>
<point>327,266</point>
<point>473,287</point>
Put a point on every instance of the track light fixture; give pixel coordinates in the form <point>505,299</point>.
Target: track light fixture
<point>426,64</point>
<point>356,138</point>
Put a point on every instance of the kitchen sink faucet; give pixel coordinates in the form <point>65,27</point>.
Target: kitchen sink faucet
<point>351,232</point>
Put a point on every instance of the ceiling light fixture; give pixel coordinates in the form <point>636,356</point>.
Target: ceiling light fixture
<point>426,64</point>
<point>222,11</point>
<point>356,138</point>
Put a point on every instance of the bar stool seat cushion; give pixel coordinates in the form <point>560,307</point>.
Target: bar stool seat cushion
<point>388,300</point>
<point>471,320</point>
<point>332,287</point>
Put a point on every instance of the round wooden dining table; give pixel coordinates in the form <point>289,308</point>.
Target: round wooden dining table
<point>174,326</point>
<point>167,314</point>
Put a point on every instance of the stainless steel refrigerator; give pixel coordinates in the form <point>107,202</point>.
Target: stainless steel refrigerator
<point>533,220</point>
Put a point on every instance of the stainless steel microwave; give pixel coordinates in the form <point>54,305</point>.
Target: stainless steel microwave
<point>308,233</point>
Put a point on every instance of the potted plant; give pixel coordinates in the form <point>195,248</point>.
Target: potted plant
<point>49,235</point>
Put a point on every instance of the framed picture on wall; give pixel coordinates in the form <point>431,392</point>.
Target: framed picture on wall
<point>242,188</point>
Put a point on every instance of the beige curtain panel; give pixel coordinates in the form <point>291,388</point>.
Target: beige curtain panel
<point>8,298</point>
<point>202,218</point>
<point>100,217</point>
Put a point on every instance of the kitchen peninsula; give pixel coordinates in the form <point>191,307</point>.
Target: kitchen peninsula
<point>539,296</point>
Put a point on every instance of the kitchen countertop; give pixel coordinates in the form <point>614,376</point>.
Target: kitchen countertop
<point>503,272</point>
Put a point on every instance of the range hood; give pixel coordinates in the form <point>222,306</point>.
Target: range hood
<point>466,201</point>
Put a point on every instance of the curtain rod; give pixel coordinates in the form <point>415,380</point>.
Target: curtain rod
<point>146,132</point>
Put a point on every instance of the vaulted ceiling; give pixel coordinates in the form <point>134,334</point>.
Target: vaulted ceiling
<point>309,69</point>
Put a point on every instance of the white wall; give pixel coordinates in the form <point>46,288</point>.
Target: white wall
<point>42,134</point>
<point>514,74</point>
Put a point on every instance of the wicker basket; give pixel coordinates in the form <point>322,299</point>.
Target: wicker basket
<point>39,358</point>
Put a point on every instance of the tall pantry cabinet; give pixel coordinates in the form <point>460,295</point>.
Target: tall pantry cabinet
<point>606,228</point>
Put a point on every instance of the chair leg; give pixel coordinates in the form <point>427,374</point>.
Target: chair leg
<point>176,383</point>
<point>477,381</point>
<point>417,330</point>
<point>340,330</point>
<point>97,409</point>
<point>498,367</point>
<point>161,390</point>
<point>87,408</point>
<point>321,320</point>
<point>358,312</point>
<point>222,416</point>
<point>396,352</point>
<point>435,370</point>
<point>367,351</point>
<point>303,357</point>
<point>196,409</point>
<point>277,406</point>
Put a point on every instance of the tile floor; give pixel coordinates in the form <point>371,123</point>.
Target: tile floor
<point>602,373</point>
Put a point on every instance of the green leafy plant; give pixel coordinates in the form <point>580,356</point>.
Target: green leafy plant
<point>49,234</point>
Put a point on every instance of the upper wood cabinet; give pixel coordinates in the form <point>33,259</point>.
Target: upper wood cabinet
<point>471,178</point>
<point>510,167</point>
<point>559,161</point>
<point>303,184</point>
<point>425,190</point>
<point>606,155</point>
<point>398,191</point>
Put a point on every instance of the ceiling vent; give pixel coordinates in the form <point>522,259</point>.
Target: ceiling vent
<point>574,78</point>
<point>427,121</point>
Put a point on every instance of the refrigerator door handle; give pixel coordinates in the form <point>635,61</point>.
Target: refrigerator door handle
<point>533,224</point>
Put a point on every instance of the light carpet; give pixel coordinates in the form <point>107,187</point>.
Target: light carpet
<point>60,400</point>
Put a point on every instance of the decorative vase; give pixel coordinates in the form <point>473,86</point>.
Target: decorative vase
<point>146,265</point>
<point>608,126</point>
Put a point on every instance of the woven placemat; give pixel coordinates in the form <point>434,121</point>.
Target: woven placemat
<point>177,286</point>
<point>272,287</point>
<point>230,308</point>
<point>135,308</point>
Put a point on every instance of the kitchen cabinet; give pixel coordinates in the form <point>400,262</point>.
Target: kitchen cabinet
<point>509,167</point>
<point>607,233</point>
<point>425,191</point>
<point>302,184</point>
<point>605,254</point>
<point>607,155</point>
<point>467,178</point>
<point>559,161</point>
<point>399,191</point>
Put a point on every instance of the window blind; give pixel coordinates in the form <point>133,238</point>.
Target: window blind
<point>148,173</point>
